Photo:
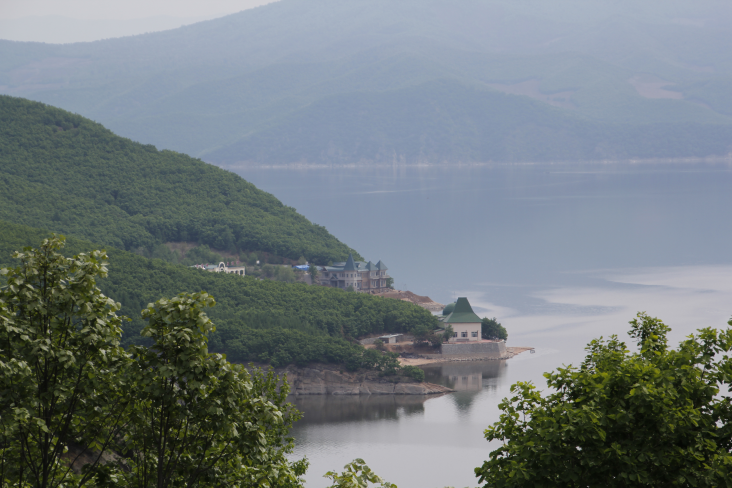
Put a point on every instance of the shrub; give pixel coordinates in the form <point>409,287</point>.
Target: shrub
<point>413,372</point>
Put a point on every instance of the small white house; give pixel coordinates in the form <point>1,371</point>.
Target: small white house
<point>223,268</point>
<point>465,323</point>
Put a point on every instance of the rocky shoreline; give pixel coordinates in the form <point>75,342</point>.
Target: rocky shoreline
<point>324,379</point>
<point>422,359</point>
<point>329,379</point>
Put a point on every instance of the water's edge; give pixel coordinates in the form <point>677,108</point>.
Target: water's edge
<point>325,379</point>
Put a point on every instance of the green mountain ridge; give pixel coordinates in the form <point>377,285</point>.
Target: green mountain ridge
<point>66,173</point>
<point>217,89</point>
<point>63,172</point>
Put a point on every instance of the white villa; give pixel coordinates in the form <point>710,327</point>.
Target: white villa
<point>363,277</point>
<point>223,268</point>
<point>465,323</point>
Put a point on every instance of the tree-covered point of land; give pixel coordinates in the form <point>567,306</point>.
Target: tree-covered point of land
<point>257,320</point>
<point>658,417</point>
<point>65,173</point>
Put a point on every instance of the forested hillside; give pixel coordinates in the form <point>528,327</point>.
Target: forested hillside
<point>446,121</point>
<point>65,173</point>
<point>256,320</point>
<point>433,81</point>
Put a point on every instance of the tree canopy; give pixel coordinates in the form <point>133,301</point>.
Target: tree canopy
<point>68,174</point>
<point>169,415</point>
<point>655,417</point>
<point>492,329</point>
<point>60,366</point>
<point>356,474</point>
<point>257,320</point>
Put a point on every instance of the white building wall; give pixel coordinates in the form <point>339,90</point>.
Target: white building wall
<point>472,331</point>
<point>237,270</point>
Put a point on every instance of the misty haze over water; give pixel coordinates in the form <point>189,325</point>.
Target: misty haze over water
<point>560,254</point>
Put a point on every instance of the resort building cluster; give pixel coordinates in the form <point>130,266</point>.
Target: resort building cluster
<point>361,276</point>
<point>358,275</point>
<point>222,267</point>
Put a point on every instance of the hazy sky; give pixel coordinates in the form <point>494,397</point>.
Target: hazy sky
<point>123,9</point>
<point>62,21</point>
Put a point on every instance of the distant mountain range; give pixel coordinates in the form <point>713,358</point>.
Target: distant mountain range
<point>435,81</point>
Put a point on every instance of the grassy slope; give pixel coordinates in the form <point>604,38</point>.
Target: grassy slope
<point>63,172</point>
<point>256,320</point>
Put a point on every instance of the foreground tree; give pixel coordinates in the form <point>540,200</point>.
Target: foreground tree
<point>356,474</point>
<point>171,415</point>
<point>651,418</point>
<point>61,391</point>
<point>198,420</point>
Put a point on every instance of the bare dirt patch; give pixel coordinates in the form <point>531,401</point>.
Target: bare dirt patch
<point>408,296</point>
<point>649,86</point>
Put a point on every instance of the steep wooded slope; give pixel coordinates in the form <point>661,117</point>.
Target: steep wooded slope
<point>65,173</point>
<point>256,320</point>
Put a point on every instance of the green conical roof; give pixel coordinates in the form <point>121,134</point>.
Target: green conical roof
<point>462,313</point>
<point>350,264</point>
<point>380,265</point>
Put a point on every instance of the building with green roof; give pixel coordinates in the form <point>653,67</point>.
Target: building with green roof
<point>465,323</point>
<point>365,277</point>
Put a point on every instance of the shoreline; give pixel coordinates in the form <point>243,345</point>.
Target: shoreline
<point>241,165</point>
<point>420,361</point>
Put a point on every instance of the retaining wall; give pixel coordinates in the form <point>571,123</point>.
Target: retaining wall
<point>488,350</point>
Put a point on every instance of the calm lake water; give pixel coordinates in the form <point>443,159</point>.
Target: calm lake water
<point>559,253</point>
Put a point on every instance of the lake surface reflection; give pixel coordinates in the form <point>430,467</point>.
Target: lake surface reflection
<point>466,376</point>
<point>559,253</point>
<point>323,409</point>
<point>401,433</point>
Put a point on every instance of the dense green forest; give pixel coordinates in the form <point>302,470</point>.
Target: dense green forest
<point>414,80</point>
<point>256,320</point>
<point>65,173</point>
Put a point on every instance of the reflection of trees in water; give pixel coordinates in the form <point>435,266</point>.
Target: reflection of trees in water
<point>321,409</point>
<point>468,378</point>
<point>463,400</point>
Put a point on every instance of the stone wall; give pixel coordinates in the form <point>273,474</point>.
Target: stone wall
<point>487,350</point>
